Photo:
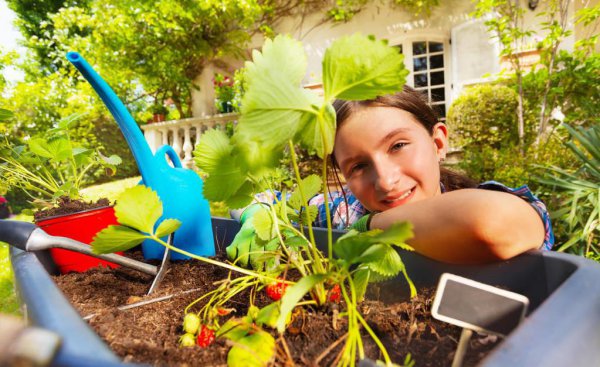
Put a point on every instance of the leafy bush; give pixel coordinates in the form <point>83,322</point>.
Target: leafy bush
<point>483,123</point>
<point>484,116</point>
<point>575,88</point>
<point>579,194</point>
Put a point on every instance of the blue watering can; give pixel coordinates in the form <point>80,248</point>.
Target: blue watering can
<point>179,189</point>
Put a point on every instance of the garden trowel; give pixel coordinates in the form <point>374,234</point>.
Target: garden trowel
<point>28,237</point>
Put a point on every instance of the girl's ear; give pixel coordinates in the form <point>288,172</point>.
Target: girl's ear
<point>440,139</point>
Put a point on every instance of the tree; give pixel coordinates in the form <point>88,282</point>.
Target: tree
<point>35,23</point>
<point>507,26</point>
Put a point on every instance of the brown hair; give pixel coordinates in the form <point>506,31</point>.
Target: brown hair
<point>416,104</point>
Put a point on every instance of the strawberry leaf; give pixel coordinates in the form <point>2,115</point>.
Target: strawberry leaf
<point>389,263</point>
<point>274,104</point>
<point>167,227</point>
<point>263,224</point>
<point>139,207</point>
<point>253,350</point>
<point>358,67</point>
<point>116,238</point>
<point>361,280</point>
<point>294,294</point>
<point>309,186</point>
<point>209,152</point>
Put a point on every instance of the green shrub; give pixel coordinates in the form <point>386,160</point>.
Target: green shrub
<point>483,123</point>
<point>578,191</point>
<point>484,116</point>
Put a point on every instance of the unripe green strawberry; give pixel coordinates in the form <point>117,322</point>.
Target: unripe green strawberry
<point>191,323</point>
<point>187,340</point>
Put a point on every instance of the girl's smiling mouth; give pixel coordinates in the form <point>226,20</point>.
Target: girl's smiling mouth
<point>397,200</point>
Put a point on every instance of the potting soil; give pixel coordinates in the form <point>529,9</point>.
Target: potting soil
<point>149,334</point>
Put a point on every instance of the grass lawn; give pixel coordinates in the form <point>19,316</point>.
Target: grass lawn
<point>111,190</point>
<point>8,299</point>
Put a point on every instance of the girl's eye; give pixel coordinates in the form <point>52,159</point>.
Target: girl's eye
<point>397,146</point>
<point>357,168</point>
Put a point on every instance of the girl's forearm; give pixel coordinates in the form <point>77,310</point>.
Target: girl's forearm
<point>469,226</point>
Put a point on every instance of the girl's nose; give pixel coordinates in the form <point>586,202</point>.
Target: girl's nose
<point>386,176</point>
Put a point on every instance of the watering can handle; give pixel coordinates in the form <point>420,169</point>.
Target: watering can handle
<point>173,156</point>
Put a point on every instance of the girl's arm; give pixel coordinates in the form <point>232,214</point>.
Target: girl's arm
<point>469,226</point>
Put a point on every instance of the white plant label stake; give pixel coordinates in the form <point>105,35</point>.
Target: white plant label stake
<point>475,306</point>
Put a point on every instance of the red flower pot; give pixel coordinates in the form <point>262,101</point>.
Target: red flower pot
<point>82,227</point>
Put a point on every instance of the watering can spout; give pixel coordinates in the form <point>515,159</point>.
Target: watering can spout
<point>179,189</point>
<point>138,145</point>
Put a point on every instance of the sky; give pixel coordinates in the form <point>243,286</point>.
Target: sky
<point>9,37</point>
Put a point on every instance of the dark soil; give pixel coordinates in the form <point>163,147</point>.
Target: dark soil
<point>149,334</point>
<point>66,205</point>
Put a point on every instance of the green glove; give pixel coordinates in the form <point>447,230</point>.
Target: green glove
<point>245,240</point>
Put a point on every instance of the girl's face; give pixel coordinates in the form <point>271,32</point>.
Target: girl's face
<point>388,158</point>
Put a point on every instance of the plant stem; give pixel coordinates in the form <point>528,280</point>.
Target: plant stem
<point>212,262</point>
<point>315,255</point>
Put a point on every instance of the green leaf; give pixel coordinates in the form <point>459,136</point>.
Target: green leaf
<point>243,197</point>
<point>358,67</point>
<point>396,234</point>
<point>67,122</point>
<point>139,207</point>
<point>268,315</point>
<point>361,280</point>
<point>40,147</point>
<point>312,210</point>
<point>113,160</point>
<point>210,150</point>
<point>314,127</point>
<point>234,329</point>
<point>282,48</point>
<point>356,247</point>
<point>225,183</point>
<point>294,294</point>
<point>214,155</point>
<point>167,227</point>
<point>390,264</point>
<point>274,104</point>
<point>254,350</point>
<point>5,114</point>
<point>116,238</point>
<point>310,186</point>
<point>263,224</point>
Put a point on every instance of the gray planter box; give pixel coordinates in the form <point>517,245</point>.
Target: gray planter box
<point>561,329</point>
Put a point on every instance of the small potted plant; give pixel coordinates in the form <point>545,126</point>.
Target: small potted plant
<point>51,170</point>
<point>159,112</point>
<point>224,93</point>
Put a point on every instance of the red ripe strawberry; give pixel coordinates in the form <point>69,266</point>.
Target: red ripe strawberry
<point>335,294</point>
<point>276,290</point>
<point>205,337</point>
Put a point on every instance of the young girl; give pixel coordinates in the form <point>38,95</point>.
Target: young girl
<point>389,150</point>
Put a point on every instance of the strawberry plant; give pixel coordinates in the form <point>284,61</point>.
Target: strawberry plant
<point>51,165</point>
<point>278,114</point>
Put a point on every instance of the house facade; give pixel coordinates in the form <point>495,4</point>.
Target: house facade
<point>444,52</point>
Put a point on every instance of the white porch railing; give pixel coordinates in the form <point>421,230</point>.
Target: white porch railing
<point>183,134</point>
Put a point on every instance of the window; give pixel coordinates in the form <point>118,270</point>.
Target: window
<point>429,73</point>
<point>426,61</point>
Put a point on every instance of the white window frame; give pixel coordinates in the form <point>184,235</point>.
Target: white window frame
<point>407,50</point>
